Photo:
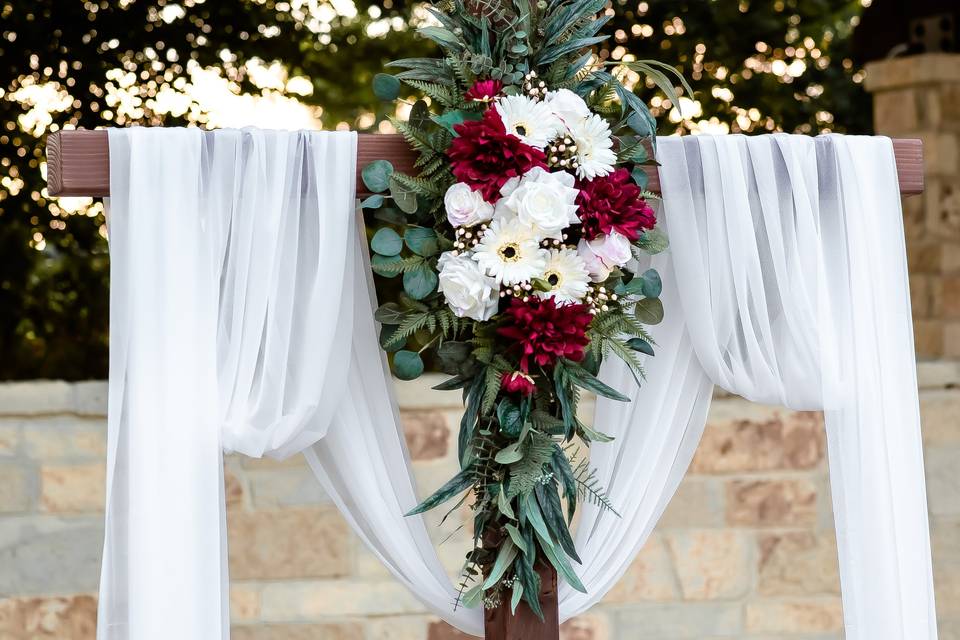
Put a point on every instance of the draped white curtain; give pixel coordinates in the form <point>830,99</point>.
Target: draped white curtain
<point>240,293</point>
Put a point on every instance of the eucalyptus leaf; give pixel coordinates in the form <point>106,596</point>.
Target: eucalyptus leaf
<point>641,345</point>
<point>472,598</point>
<point>419,115</point>
<point>650,284</point>
<point>419,282</point>
<point>373,202</point>
<point>441,36</point>
<point>403,196</point>
<point>376,175</point>
<point>515,596</point>
<point>422,241</point>
<point>510,418</point>
<point>390,313</point>
<point>640,177</point>
<point>407,365</point>
<point>517,538</point>
<point>503,504</point>
<point>456,485</point>
<point>390,215</point>
<point>386,242</point>
<point>386,87</point>
<point>452,118</point>
<point>378,262</point>
<point>388,345</point>
<point>508,551</point>
<point>583,378</point>
<point>649,311</point>
<point>509,454</point>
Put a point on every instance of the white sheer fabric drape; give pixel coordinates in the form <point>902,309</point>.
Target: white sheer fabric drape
<point>785,283</point>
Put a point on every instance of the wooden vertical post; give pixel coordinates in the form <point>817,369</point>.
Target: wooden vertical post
<point>501,624</point>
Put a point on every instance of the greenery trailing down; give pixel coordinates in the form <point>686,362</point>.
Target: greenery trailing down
<point>520,471</point>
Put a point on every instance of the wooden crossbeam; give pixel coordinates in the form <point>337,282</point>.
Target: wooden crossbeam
<point>78,162</point>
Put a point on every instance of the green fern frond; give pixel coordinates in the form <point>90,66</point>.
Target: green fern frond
<point>444,95</point>
<point>410,325</point>
<point>588,487</point>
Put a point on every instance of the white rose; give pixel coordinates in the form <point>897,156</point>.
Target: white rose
<point>466,207</point>
<point>603,253</point>
<point>567,106</point>
<point>469,292</point>
<point>543,201</point>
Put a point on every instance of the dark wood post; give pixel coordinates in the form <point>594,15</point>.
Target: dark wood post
<point>501,624</point>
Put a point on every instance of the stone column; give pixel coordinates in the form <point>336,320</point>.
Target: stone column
<point>919,97</point>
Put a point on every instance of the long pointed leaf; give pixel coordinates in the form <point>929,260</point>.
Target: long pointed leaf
<point>508,551</point>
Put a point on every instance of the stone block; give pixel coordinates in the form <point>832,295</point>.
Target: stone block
<point>794,616</point>
<point>928,68</point>
<point>896,112</point>
<point>949,297</point>
<point>942,374</point>
<point>649,577</point>
<point>588,626</point>
<point>9,438</point>
<point>285,487</point>
<point>943,481</point>
<point>941,201</point>
<point>427,434</point>
<point>65,438</point>
<point>61,618</point>
<point>45,554</point>
<point>90,398</point>
<point>712,564</point>
<point>244,603</point>
<point>681,621</point>
<point>951,339</point>
<point>928,338</point>
<point>787,440</point>
<point>399,628</point>
<point>325,631</point>
<point>17,487</point>
<point>698,503</point>
<point>72,487</point>
<point>940,417</point>
<point>921,295</point>
<point>35,398</point>
<point>440,630</point>
<point>307,601</point>
<point>940,155</point>
<point>288,543</point>
<point>798,563</point>
<point>233,489</point>
<point>772,503</point>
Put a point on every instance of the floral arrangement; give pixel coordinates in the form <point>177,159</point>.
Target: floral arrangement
<point>518,244</point>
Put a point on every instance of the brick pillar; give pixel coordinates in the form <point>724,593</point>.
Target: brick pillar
<point>919,97</point>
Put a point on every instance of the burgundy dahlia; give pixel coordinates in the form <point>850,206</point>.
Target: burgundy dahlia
<point>484,90</point>
<point>613,203</point>
<point>544,331</point>
<point>485,156</point>
<point>518,382</point>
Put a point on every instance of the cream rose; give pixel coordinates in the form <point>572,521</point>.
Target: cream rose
<point>567,106</point>
<point>602,254</point>
<point>466,207</point>
<point>542,201</point>
<point>468,291</point>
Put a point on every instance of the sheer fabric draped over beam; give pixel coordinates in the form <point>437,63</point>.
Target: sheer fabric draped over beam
<point>241,313</point>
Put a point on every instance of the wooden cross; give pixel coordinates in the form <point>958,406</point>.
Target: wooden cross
<point>78,164</point>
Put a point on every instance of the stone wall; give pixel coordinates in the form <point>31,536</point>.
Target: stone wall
<point>745,550</point>
<point>919,97</point>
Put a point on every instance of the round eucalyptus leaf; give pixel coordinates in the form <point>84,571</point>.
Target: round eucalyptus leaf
<point>386,242</point>
<point>389,313</point>
<point>419,282</point>
<point>373,202</point>
<point>651,285</point>
<point>649,311</point>
<point>386,87</point>
<point>386,332</point>
<point>376,175</point>
<point>381,265</point>
<point>407,365</point>
<point>422,241</point>
<point>405,198</point>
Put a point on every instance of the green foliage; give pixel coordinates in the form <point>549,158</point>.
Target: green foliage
<point>376,175</point>
<point>407,365</point>
<point>386,242</point>
<point>649,311</point>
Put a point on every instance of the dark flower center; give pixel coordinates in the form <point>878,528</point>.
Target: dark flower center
<point>553,279</point>
<point>508,252</point>
<point>522,130</point>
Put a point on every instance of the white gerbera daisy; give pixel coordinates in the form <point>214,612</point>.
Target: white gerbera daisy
<point>594,147</point>
<point>510,252</point>
<point>533,122</point>
<point>567,275</point>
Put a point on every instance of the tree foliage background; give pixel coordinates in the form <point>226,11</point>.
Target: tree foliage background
<point>755,65</point>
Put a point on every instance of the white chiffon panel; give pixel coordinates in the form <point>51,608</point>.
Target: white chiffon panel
<point>785,283</point>
<point>229,330</point>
